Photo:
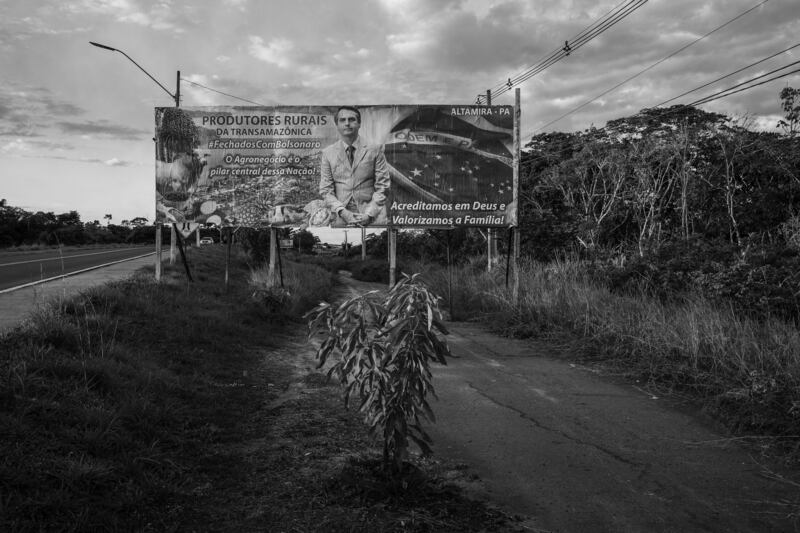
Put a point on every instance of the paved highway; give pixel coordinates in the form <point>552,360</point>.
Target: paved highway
<point>21,268</point>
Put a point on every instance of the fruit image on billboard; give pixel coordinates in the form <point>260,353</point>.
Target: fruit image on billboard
<point>410,166</point>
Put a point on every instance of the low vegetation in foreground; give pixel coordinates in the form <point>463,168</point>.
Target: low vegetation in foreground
<point>745,370</point>
<point>178,406</point>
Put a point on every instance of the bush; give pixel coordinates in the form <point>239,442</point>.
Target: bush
<point>304,286</point>
<point>385,350</point>
<point>762,282</point>
<point>255,243</point>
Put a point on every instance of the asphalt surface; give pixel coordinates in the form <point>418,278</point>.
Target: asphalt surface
<point>16,306</point>
<point>19,268</point>
<point>577,451</point>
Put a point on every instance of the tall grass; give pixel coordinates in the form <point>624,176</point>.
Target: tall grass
<point>746,371</point>
<point>110,401</point>
<point>304,286</point>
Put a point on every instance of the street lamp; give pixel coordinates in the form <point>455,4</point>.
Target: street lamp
<point>176,96</point>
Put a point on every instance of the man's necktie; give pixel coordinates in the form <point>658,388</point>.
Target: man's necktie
<point>350,149</point>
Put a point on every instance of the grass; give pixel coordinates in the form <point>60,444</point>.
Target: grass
<point>744,371</point>
<point>143,406</point>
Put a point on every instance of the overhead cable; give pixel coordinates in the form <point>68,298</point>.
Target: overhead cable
<point>730,90</point>
<point>672,54</point>
<point>728,75</point>
<point>572,45</point>
<point>740,87</point>
<point>608,20</point>
<point>220,92</point>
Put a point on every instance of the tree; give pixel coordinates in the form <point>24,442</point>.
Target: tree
<point>304,240</point>
<point>734,143</point>
<point>652,187</point>
<point>107,217</point>
<point>385,349</point>
<point>593,183</point>
<point>790,102</point>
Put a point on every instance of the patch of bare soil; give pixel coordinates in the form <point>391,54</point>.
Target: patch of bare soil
<point>299,462</point>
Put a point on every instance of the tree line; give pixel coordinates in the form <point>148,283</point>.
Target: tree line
<point>19,227</point>
<point>659,177</point>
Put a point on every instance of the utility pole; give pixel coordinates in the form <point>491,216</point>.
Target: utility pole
<point>491,236</point>
<point>177,98</point>
<point>172,235</point>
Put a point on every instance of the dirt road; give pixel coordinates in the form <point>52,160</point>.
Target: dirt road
<point>580,452</point>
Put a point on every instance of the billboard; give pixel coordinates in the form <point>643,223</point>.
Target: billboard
<point>410,166</point>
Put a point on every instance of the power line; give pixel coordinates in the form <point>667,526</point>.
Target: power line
<point>729,91</point>
<point>728,75</point>
<point>571,46</point>
<point>558,52</point>
<point>676,52</point>
<point>611,18</point>
<point>740,87</point>
<point>220,92</point>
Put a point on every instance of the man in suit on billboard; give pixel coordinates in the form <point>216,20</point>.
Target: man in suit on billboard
<point>354,175</point>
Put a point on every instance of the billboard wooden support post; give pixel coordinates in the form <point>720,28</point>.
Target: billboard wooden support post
<point>228,243</point>
<point>392,257</point>
<point>515,255</point>
<point>280,265</point>
<point>172,239</point>
<point>197,237</point>
<point>158,252</point>
<point>273,256</point>
<point>491,247</point>
<point>363,243</point>
<point>449,277</point>
<point>180,249</point>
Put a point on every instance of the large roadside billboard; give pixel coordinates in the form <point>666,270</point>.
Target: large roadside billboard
<point>420,166</point>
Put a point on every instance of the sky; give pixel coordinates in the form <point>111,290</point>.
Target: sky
<point>77,122</point>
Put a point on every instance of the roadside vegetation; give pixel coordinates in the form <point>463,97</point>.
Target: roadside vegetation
<point>742,369</point>
<point>194,406</point>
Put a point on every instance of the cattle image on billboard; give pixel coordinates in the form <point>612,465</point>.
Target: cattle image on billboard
<point>414,166</point>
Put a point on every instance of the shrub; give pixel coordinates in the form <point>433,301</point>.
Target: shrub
<point>304,286</point>
<point>762,281</point>
<point>385,350</point>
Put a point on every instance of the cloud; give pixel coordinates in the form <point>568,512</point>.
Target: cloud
<point>28,111</point>
<point>16,100</point>
<point>417,10</point>
<point>241,5</point>
<point>199,96</point>
<point>25,150</point>
<point>102,128</point>
<point>461,41</point>
<point>158,16</point>
<point>24,28</point>
<point>15,147</point>
<point>114,162</point>
<point>276,52</point>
